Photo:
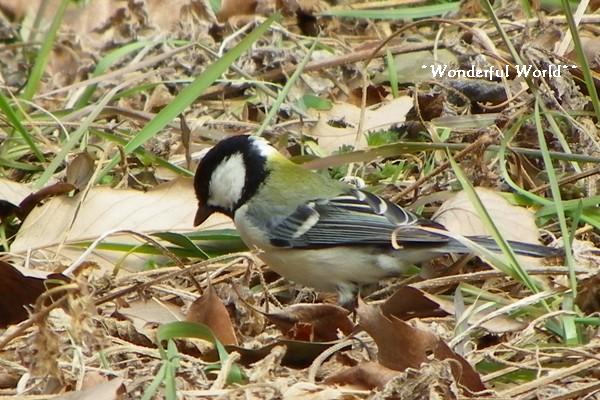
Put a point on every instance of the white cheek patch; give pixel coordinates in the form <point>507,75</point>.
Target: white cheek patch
<point>262,146</point>
<point>227,182</point>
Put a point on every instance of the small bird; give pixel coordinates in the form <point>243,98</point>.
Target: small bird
<point>312,229</point>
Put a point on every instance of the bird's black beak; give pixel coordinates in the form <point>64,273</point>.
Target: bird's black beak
<point>204,211</point>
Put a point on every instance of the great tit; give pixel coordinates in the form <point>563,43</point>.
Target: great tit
<point>312,229</point>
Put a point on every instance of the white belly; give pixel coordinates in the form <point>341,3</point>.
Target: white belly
<point>332,269</point>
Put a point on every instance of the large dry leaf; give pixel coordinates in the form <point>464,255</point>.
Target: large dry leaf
<point>432,381</point>
<point>113,389</point>
<point>168,207</point>
<point>20,288</point>
<point>144,313</point>
<point>459,216</point>
<point>312,322</point>
<point>209,310</point>
<point>338,126</point>
<point>311,391</point>
<point>14,192</point>
<point>91,19</point>
<point>17,291</point>
<point>367,375</point>
<point>403,346</point>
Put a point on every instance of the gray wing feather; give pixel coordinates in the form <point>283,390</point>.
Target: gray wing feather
<point>355,218</point>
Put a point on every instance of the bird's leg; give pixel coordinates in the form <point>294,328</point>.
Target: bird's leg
<point>348,297</point>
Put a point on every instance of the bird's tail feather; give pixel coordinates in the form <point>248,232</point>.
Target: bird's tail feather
<point>520,248</point>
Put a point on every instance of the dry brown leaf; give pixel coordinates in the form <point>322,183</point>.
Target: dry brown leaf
<point>20,287</point>
<point>337,127</point>
<point>113,389</point>
<point>310,391</point>
<point>459,216</point>
<point>588,294</point>
<point>17,8</point>
<point>9,380</point>
<point>389,332</point>
<point>150,312</point>
<point>591,48</point>
<point>92,379</point>
<point>17,291</point>
<point>299,354</point>
<point>409,302</point>
<point>209,310</point>
<point>231,8</point>
<point>166,15</point>
<point>432,381</point>
<point>14,192</point>
<point>125,330</point>
<point>159,98</point>
<point>403,346</point>
<point>81,19</point>
<point>168,207</point>
<point>312,322</point>
<point>94,26</point>
<point>367,375</point>
<point>63,66</point>
<point>80,170</point>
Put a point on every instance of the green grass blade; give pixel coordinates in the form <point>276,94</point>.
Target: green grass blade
<point>392,73</point>
<point>505,38</point>
<point>215,5</point>
<point>172,363</point>
<point>593,321</point>
<point>35,27</point>
<point>181,241</point>
<point>155,384</point>
<point>570,329</point>
<point>141,152</point>
<point>508,135</point>
<point>397,13</point>
<point>517,271</point>
<point>75,137</point>
<point>569,206</point>
<point>581,57</point>
<point>561,139</point>
<point>19,165</point>
<point>104,64</point>
<point>316,102</point>
<point>284,92</point>
<point>44,54</point>
<point>144,249</point>
<point>554,188</point>
<point>196,330</point>
<point>15,121</point>
<point>401,148</point>
<point>190,93</point>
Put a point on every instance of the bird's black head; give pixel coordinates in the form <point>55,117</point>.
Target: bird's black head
<point>230,174</point>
